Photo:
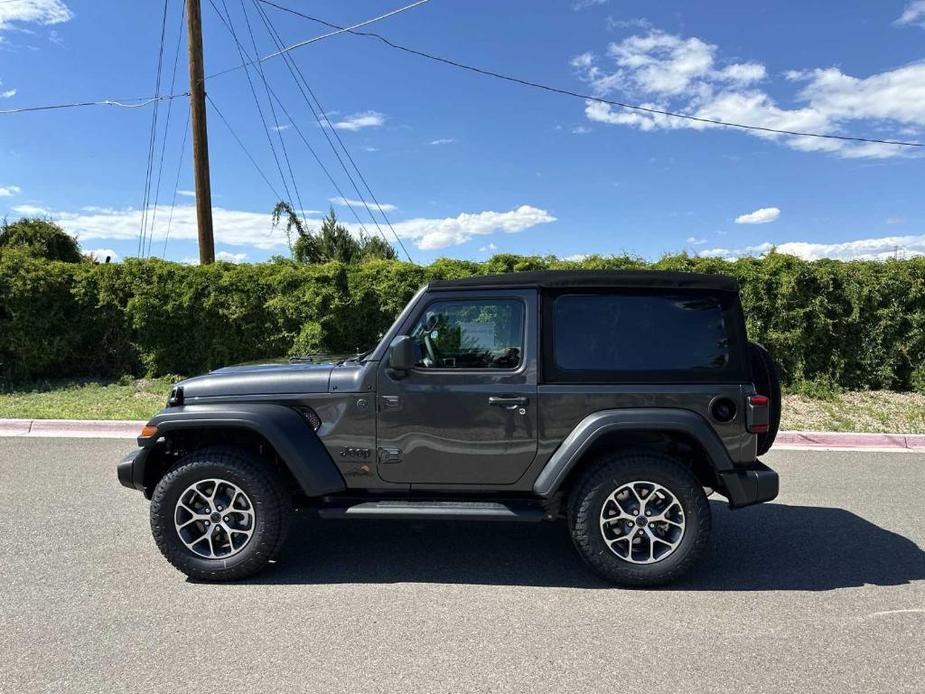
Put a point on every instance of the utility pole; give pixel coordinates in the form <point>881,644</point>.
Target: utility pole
<point>200,135</point>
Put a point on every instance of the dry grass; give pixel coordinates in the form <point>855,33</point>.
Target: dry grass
<point>85,399</point>
<point>873,411</point>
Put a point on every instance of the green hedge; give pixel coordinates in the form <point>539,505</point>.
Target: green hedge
<point>851,324</point>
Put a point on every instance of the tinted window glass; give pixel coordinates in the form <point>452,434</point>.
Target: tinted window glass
<point>484,334</point>
<point>650,333</point>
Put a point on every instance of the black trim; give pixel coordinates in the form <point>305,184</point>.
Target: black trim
<point>131,469</point>
<point>593,278</point>
<point>283,427</point>
<point>755,484</point>
<point>649,419</point>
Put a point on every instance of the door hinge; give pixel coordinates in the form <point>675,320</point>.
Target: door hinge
<point>389,455</point>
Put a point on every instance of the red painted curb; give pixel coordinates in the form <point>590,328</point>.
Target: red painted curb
<point>832,439</point>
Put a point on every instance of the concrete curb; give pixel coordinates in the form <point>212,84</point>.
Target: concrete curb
<point>123,429</point>
<point>78,428</point>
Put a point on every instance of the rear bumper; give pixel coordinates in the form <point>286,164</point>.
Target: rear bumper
<point>750,485</point>
<point>131,469</point>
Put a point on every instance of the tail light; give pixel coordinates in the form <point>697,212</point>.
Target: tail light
<point>758,417</point>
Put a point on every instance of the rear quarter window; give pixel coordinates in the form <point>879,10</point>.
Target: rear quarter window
<point>633,337</point>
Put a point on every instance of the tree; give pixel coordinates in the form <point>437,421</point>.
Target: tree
<point>41,238</point>
<point>331,242</point>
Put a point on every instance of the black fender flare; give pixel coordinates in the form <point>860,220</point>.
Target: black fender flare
<point>294,441</point>
<point>596,424</point>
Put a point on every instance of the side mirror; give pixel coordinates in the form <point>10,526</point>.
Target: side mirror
<point>401,353</point>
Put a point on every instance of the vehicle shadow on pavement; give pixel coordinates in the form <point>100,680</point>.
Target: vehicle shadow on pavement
<point>767,547</point>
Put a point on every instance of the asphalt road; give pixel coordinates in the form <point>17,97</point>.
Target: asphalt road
<point>823,590</point>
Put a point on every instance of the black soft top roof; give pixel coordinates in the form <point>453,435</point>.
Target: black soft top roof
<point>564,279</point>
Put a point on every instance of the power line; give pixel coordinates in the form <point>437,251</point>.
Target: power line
<point>242,145</point>
<point>176,185</point>
<point>301,135</point>
<point>315,39</point>
<point>588,97</point>
<point>244,61</point>
<point>144,101</point>
<point>296,75</point>
<point>152,142</point>
<point>277,127</point>
<point>160,168</point>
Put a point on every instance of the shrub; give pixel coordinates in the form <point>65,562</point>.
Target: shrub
<point>829,324</point>
<point>40,238</point>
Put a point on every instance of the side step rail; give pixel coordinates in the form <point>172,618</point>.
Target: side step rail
<point>436,510</point>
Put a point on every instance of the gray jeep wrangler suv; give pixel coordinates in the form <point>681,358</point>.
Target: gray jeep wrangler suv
<point>615,400</point>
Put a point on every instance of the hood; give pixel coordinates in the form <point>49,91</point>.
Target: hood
<point>259,379</point>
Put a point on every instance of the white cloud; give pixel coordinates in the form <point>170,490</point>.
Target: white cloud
<point>100,254</point>
<point>913,13</point>
<point>34,11</point>
<point>489,247</point>
<point>638,23</point>
<point>8,94</point>
<point>281,128</point>
<point>881,248</point>
<point>370,148</point>
<point>241,228</point>
<point>762,216</point>
<point>349,202</point>
<point>358,121</point>
<point>895,220</point>
<point>685,75</point>
<point>433,234</point>
<point>231,257</point>
<point>9,191</point>
<point>579,5</point>
<point>581,130</point>
<point>31,211</point>
<point>576,258</point>
<point>187,193</point>
<point>694,241</point>
<point>443,141</point>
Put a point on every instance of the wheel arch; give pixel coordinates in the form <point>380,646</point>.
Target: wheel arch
<point>277,432</point>
<point>682,434</point>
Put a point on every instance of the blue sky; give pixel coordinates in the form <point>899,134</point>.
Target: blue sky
<point>469,166</point>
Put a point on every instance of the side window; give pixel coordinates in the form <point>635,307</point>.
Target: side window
<point>631,336</point>
<point>479,334</point>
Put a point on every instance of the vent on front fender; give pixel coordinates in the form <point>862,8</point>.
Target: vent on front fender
<point>314,421</point>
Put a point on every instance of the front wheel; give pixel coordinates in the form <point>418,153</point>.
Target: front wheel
<point>639,519</point>
<point>219,514</point>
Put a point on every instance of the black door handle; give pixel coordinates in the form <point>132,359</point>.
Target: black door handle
<point>508,403</point>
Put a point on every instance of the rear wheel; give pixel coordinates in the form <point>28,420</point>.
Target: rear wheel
<point>219,514</point>
<point>639,519</point>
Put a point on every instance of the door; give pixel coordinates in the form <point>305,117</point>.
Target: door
<point>466,413</point>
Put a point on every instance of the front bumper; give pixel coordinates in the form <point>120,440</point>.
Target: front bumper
<point>750,485</point>
<point>131,469</point>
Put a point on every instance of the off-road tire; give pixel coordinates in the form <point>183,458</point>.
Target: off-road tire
<point>767,382</point>
<point>272,508</point>
<point>608,474</point>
